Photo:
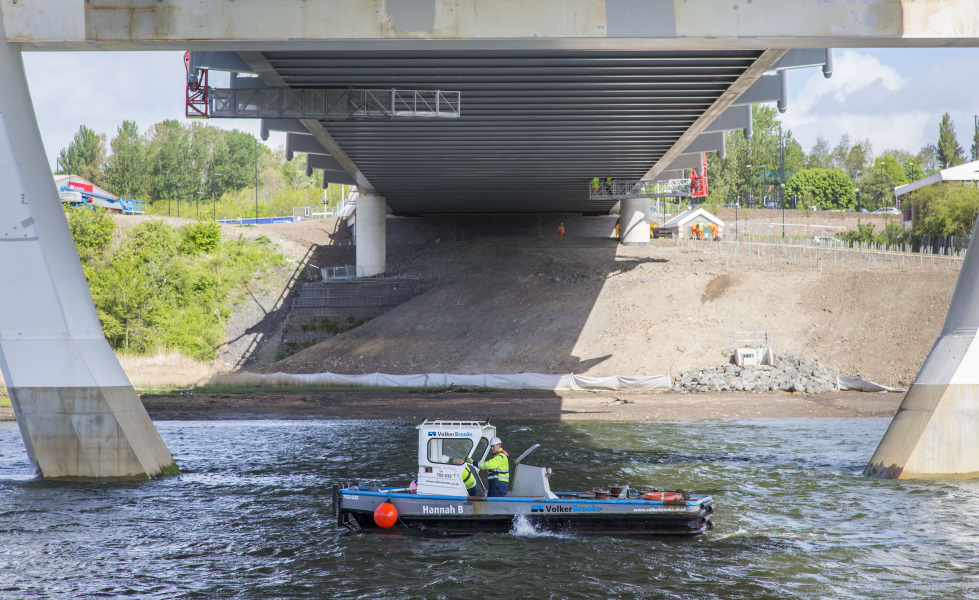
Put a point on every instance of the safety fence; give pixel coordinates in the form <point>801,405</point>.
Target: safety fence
<point>750,253</point>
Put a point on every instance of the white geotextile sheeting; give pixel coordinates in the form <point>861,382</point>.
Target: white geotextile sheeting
<point>859,384</point>
<point>520,381</point>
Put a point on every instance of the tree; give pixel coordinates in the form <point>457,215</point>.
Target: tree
<point>974,149</point>
<point>946,209</point>
<point>949,151</point>
<point>85,155</point>
<point>928,159</point>
<point>819,157</point>
<point>826,188</point>
<point>169,148</point>
<point>125,172</point>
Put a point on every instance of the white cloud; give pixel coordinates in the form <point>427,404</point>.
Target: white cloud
<point>101,89</point>
<point>867,98</point>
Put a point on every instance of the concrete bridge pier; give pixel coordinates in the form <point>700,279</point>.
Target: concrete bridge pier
<point>77,412</point>
<point>935,432</point>
<point>371,227</point>
<point>634,221</point>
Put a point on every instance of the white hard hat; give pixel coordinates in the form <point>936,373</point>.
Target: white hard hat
<point>496,441</point>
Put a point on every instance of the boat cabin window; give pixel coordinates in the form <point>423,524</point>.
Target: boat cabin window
<point>447,449</point>
<point>480,449</point>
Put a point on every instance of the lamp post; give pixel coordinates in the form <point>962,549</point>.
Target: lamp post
<point>199,194</point>
<point>177,185</point>
<point>256,181</point>
<point>858,199</point>
<point>881,201</point>
<point>214,209</point>
<point>782,194</point>
<point>781,172</point>
<point>168,194</point>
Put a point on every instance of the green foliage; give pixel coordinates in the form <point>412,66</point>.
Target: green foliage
<point>893,234</point>
<point>125,169</point>
<point>201,238</point>
<point>92,230</point>
<point>84,155</point>
<point>946,209</point>
<point>949,151</point>
<point>826,188</point>
<point>165,288</point>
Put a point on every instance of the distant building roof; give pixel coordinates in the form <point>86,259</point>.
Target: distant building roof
<point>966,172</point>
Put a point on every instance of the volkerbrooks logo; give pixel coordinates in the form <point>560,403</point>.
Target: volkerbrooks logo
<point>559,508</point>
<point>450,434</point>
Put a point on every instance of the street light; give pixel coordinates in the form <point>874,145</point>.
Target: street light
<point>256,181</point>
<point>858,199</point>
<point>177,185</point>
<point>168,194</point>
<point>213,204</point>
<point>782,192</point>
<point>781,171</point>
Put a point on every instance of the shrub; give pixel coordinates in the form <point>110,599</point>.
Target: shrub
<point>201,238</point>
<point>92,230</point>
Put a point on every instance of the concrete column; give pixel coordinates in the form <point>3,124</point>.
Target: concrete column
<point>77,412</point>
<point>935,432</point>
<point>634,222</point>
<point>371,235</point>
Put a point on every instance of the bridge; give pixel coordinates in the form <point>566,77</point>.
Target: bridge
<point>541,97</point>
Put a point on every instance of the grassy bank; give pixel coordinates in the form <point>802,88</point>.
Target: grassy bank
<point>158,286</point>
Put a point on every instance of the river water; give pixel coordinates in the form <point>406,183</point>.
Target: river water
<point>250,517</point>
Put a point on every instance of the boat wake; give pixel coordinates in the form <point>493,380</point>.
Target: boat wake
<point>522,527</point>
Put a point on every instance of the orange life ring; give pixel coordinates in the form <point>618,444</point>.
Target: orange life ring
<point>664,496</point>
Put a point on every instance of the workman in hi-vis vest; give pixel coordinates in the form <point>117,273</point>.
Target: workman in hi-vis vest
<point>469,478</point>
<point>498,467</point>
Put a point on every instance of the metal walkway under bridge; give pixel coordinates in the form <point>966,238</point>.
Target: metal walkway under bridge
<point>618,190</point>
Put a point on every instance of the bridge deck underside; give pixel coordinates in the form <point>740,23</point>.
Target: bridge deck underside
<point>535,126</point>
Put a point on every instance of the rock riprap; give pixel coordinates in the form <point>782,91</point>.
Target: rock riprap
<point>788,373</point>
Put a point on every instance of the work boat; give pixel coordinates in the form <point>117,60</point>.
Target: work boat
<point>440,504</point>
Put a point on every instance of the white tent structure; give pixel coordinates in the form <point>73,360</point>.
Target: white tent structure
<point>681,223</point>
<point>966,172</point>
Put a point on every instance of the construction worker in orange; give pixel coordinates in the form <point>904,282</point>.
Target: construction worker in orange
<point>618,230</point>
<point>693,232</point>
<point>700,230</point>
<point>560,230</point>
<point>713,231</point>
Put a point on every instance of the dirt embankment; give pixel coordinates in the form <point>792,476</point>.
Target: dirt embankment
<point>590,306</point>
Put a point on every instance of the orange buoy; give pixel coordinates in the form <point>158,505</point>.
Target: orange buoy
<point>386,515</point>
<point>664,496</point>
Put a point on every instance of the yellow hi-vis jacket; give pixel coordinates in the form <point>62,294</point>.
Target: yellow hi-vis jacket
<point>498,467</point>
<point>468,478</point>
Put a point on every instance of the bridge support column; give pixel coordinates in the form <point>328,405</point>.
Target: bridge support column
<point>371,235</point>
<point>634,222</point>
<point>77,412</point>
<point>935,432</point>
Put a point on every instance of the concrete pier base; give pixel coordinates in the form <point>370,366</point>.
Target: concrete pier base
<point>79,416</point>
<point>371,235</point>
<point>634,222</point>
<point>935,432</point>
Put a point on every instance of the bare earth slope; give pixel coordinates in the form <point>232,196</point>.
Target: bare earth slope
<point>590,306</point>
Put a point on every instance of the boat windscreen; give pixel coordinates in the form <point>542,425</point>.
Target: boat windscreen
<point>446,450</point>
<point>481,447</point>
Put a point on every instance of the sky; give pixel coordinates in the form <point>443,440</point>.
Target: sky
<point>893,97</point>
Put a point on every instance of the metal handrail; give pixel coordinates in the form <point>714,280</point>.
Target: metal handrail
<point>665,188</point>
<point>742,338</point>
<point>333,104</point>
